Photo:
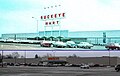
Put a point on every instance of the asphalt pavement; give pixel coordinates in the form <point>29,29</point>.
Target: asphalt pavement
<point>16,46</point>
<point>57,71</point>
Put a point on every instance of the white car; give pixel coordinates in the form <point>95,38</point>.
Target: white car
<point>3,40</point>
<point>17,41</point>
<point>85,45</point>
<point>85,67</point>
<point>9,40</point>
<point>71,44</point>
<point>59,44</point>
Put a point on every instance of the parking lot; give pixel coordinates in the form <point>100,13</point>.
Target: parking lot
<point>16,46</point>
<point>57,71</point>
<point>52,71</point>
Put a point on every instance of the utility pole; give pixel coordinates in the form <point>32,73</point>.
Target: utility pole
<point>37,27</point>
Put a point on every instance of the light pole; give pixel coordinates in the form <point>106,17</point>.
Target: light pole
<point>25,58</point>
<point>37,26</point>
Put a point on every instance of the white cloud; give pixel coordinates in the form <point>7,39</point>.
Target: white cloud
<point>92,15</point>
<point>81,15</point>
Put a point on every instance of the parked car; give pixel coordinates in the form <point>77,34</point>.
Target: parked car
<point>17,41</point>
<point>85,45</point>
<point>113,46</point>
<point>47,43</point>
<point>10,64</point>
<point>9,40</point>
<point>72,65</point>
<point>4,64</point>
<point>23,64</point>
<point>24,41</point>
<point>32,64</point>
<point>71,44</point>
<point>85,66</point>
<point>59,44</point>
<point>117,68</point>
<point>34,42</point>
<point>2,40</point>
<point>16,64</point>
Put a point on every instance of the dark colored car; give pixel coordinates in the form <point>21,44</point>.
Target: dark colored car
<point>113,46</point>
<point>117,68</point>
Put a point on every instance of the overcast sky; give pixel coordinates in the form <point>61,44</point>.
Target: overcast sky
<point>31,54</point>
<point>81,15</point>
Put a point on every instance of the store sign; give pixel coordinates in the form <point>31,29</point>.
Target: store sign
<point>52,23</point>
<point>53,58</point>
<point>53,16</point>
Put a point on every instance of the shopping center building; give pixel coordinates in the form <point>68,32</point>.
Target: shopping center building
<point>105,60</point>
<point>95,37</point>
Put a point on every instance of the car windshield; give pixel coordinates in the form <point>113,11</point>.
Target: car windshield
<point>47,42</point>
<point>114,44</point>
<point>70,42</point>
<point>117,44</point>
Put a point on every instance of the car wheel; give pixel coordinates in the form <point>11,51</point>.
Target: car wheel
<point>89,47</point>
<point>112,48</point>
<point>117,48</point>
<point>41,45</point>
<point>51,45</point>
<point>117,70</point>
<point>56,46</point>
<point>83,47</point>
<point>67,46</point>
<point>75,46</point>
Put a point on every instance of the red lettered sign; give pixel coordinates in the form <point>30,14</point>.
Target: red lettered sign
<point>53,58</point>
